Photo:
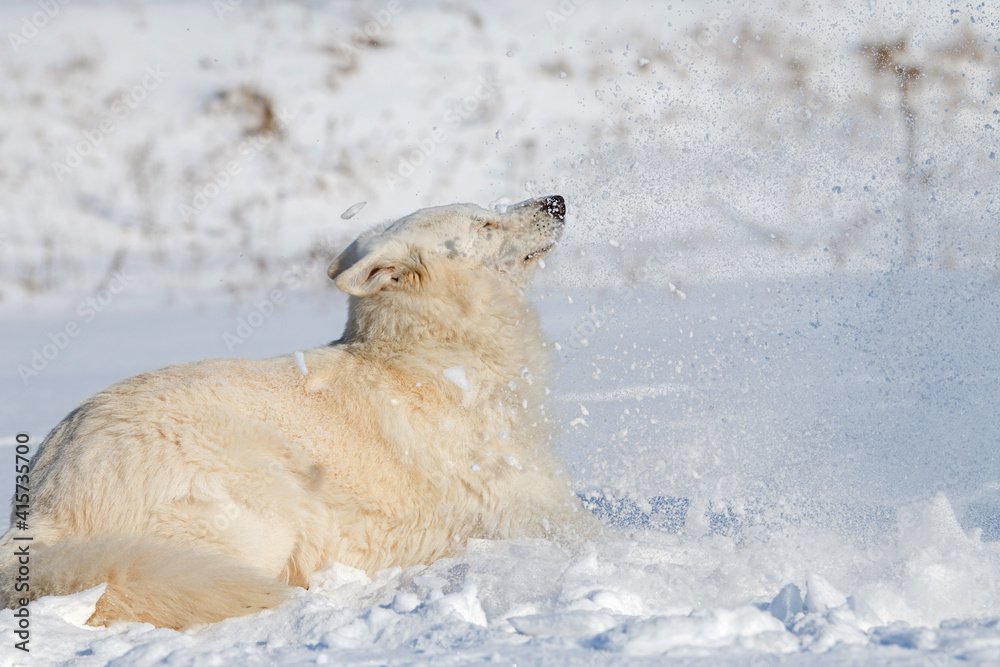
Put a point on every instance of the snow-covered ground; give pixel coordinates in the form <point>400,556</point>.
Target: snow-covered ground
<point>776,306</point>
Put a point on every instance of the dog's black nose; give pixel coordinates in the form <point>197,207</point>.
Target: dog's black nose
<point>555,206</point>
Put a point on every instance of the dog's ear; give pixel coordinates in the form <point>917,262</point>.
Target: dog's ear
<point>363,271</point>
<point>366,277</point>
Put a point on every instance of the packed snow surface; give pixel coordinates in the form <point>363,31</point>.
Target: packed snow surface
<point>774,310</point>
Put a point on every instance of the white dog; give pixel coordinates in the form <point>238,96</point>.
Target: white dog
<point>202,491</point>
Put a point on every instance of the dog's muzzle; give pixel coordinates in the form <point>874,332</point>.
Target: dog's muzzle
<point>553,206</point>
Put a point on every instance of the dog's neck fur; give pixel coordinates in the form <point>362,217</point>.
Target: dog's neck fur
<point>482,317</point>
<point>478,320</point>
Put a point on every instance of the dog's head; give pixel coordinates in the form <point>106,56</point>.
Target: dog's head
<point>402,255</point>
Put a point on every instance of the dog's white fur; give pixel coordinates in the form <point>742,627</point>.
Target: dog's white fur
<point>201,491</point>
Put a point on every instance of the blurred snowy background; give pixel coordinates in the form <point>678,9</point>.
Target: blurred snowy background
<point>208,146</point>
<point>776,304</point>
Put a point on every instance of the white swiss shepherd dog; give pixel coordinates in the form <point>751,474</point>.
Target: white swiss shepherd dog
<point>206,490</point>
